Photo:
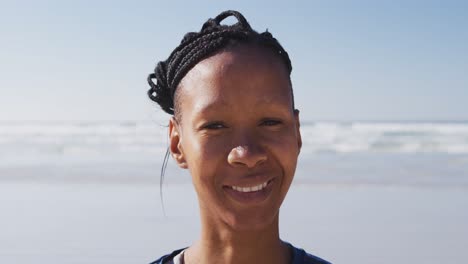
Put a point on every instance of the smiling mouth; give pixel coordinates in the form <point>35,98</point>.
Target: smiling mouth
<point>248,189</point>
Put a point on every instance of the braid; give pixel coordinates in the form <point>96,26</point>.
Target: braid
<point>195,46</point>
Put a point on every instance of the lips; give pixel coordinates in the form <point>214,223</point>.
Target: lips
<point>247,189</point>
<point>250,194</point>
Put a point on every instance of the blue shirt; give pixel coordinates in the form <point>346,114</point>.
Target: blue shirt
<point>299,257</point>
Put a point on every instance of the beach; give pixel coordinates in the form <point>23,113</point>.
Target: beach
<point>64,201</point>
<point>120,223</point>
<point>377,89</point>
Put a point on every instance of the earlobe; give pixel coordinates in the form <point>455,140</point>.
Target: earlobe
<point>175,143</point>
<point>298,131</point>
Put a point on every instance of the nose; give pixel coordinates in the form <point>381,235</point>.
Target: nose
<point>247,155</point>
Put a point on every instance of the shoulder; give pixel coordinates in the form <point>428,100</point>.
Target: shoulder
<point>302,257</point>
<point>166,259</point>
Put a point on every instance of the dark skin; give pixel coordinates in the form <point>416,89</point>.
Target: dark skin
<point>238,135</point>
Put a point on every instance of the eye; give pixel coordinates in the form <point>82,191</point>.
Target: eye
<point>270,122</point>
<point>214,126</point>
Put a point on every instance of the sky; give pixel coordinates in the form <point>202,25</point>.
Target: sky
<point>352,60</point>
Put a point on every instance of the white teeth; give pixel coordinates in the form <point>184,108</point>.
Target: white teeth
<point>250,189</point>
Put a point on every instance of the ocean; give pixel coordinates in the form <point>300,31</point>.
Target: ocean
<point>364,192</point>
<point>401,153</point>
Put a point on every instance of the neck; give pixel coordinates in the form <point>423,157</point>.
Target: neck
<point>222,244</point>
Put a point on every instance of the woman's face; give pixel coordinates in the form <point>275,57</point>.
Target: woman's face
<point>238,136</point>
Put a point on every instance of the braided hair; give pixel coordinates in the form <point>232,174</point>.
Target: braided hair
<point>196,46</point>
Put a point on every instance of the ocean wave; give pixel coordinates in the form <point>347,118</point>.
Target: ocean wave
<point>101,138</point>
<point>386,137</point>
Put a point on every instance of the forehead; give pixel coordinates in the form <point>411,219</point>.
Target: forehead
<point>239,75</point>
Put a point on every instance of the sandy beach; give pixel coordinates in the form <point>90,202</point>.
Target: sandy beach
<point>124,223</point>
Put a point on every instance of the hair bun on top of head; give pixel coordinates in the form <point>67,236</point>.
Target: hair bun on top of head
<point>195,46</point>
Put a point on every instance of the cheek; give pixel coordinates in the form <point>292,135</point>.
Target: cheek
<point>285,151</point>
<point>285,145</point>
<point>205,151</point>
<point>204,158</point>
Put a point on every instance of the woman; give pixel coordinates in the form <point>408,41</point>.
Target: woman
<point>235,128</point>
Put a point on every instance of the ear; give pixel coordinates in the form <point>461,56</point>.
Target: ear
<point>298,131</point>
<point>176,143</point>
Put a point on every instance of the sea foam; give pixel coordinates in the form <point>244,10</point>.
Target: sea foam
<point>148,138</point>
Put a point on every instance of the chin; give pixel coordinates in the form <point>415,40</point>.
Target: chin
<point>253,220</point>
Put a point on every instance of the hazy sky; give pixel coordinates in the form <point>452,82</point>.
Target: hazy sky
<point>352,60</point>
